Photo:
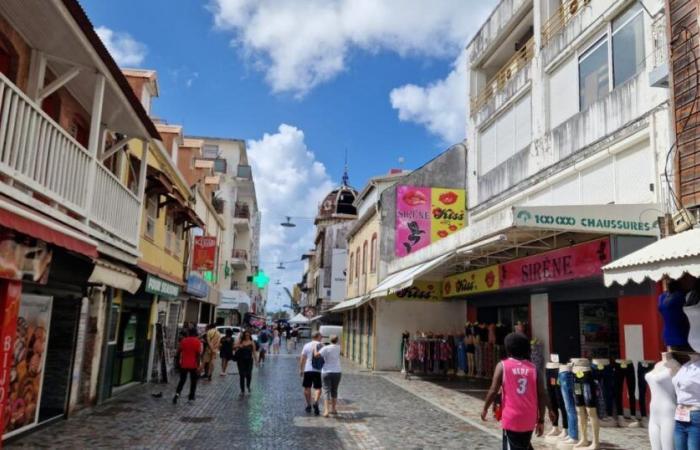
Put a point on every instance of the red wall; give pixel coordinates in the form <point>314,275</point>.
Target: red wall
<point>641,310</point>
<point>471,313</point>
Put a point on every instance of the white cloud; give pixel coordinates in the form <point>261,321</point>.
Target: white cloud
<point>126,51</point>
<point>302,43</point>
<point>289,181</point>
<point>441,106</point>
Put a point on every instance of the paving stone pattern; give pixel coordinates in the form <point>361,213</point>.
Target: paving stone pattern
<point>374,414</point>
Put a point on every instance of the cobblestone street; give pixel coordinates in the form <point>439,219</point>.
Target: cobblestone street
<point>374,413</point>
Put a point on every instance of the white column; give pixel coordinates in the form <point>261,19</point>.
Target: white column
<point>539,312</point>
<point>94,141</point>
<point>37,74</point>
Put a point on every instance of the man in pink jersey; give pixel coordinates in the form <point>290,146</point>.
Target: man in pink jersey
<point>523,395</point>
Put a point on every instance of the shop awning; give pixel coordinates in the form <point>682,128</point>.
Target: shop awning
<point>406,277</point>
<point>350,304</point>
<point>671,256</point>
<point>299,319</point>
<point>158,182</point>
<point>31,224</point>
<point>114,275</point>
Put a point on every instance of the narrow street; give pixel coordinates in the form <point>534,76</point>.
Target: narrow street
<point>374,414</point>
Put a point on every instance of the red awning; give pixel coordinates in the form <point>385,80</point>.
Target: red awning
<point>45,233</point>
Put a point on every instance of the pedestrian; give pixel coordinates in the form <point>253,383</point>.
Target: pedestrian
<point>263,343</point>
<point>523,396</point>
<point>330,375</point>
<point>295,336</point>
<point>189,352</point>
<point>226,350</point>
<point>288,334</point>
<point>245,351</point>
<point>212,339</point>
<point>311,376</point>
<point>276,342</point>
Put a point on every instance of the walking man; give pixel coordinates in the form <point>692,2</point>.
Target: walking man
<point>212,339</point>
<point>311,376</point>
<point>189,352</point>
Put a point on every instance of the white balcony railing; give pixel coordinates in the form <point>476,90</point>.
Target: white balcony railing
<point>39,158</point>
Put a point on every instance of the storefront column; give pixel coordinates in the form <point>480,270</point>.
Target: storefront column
<point>81,351</point>
<point>539,318</point>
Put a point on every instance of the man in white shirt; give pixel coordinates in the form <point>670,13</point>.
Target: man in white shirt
<point>311,377</point>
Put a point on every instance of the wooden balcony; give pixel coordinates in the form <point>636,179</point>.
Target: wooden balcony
<point>42,165</point>
<point>505,76</point>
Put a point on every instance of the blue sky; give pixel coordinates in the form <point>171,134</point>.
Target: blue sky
<point>381,79</point>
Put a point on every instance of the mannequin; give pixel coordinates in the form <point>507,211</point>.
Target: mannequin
<point>566,382</point>
<point>663,402</point>
<point>470,348</point>
<point>686,383</point>
<point>676,326</point>
<point>692,311</point>
<point>603,376</point>
<point>624,374</point>
<point>643,367</point>
<point>586,401</point>
<point>557,402</point>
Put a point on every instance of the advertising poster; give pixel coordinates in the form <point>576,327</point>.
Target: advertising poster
<point>471,282</point>
<point>10,298</point>
<point>421,290</point>
<point>29,358</point>
<point>204,255</point>
<point>425,215</point>
<point>568,263</point>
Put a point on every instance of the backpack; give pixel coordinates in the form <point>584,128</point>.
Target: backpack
<point>318,361</point>
<point>263,337</point>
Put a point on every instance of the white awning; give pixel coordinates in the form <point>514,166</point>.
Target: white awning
<point>349,304</point>
<point>406,277</point>
<point>114,275</point>
<point>671,256</point>
<point>299,319</point>
<point>232,299</point>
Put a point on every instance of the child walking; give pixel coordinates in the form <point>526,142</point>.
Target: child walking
<point>522,393</point>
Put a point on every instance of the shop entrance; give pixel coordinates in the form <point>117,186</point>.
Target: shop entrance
<point>132,349</point>
<point>586,329</point>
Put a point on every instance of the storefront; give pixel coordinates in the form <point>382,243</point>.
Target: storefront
<point>41,289</point>
<point>234,305</point>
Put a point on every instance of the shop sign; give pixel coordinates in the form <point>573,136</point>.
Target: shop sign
<point>204,254</point>
<point>28,362</point>
<point>9,304</point>
<point>580,261</point>
<point>158,286</point>
<point>425,215</point>
<point>24,262</point>
<point>637,220</point>
<point>420,290</point>
<point>471,282</point>
<point>197,286</point>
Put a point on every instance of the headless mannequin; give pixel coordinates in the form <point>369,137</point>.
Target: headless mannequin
<point>663,402</point>
<point>606,421</point>
<point>565,441</point>
<point>556,433</point>
<point>693,313</point>
<point>582,366</point>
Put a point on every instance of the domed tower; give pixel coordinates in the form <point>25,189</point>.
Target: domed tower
<point>338,205</point>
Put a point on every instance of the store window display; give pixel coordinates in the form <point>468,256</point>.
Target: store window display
<point>686,383</point>
<point>662,407</point>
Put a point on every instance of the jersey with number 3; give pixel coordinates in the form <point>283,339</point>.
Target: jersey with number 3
<point>519,393</point>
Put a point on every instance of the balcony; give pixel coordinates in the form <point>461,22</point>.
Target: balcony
<point>568,22</point>
<point>239,258</point>
<point>658,77</point>
<point>504,16</point>
<point>510,79</point>
<point>44,166</point>
<point>241,215</point>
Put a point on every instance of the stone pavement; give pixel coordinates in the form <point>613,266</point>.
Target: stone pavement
<point>465,400</point>
<point>375,413</point>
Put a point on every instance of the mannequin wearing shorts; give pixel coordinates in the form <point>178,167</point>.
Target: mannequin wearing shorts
<point>586,405</point>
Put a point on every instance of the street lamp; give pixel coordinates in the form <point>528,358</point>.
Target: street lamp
<point>288,223</point>
<point>281,266</point>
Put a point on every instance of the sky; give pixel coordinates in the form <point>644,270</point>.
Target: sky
<point>303,82</point>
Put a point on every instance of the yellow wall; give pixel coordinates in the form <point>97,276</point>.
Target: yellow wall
<point>355,287</point>
<point>154,252</point>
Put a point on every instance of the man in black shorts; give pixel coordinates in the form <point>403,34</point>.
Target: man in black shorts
<point>311,377</point>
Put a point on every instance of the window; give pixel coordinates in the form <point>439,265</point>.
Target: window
<point>170,236</point>
<point>509,134</point>
<point>210,151</point>
<point>593,78</point>
<point>151,215</point>
<point>357,262</point>
<point>352,266</point>
<point>364,258</point>
<point>628,44</point>
<point>373,254</point>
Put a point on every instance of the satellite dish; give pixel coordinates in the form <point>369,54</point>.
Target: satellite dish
<point>288,223</point>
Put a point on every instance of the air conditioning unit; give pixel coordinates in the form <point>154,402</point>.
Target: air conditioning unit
<point>683,220</point>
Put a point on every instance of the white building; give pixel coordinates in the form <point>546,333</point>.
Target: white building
<point>240,244</point>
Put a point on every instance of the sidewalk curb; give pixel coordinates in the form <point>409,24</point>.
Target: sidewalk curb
<point>426,398</point>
